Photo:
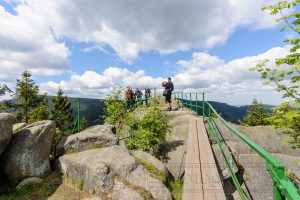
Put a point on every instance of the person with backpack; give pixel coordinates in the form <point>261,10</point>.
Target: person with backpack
<point>147,95</point>
<point>169,87</point>
<point>129,97</point>
<point>138,94</point>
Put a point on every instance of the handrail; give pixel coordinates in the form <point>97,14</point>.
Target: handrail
<point>282,185</point>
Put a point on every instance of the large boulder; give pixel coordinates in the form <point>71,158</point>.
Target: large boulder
<point>29,150</point>
<point>6,130</point>
<point>18,126</point>
<point>94,137</point>
<point>122,192</point>
<point>97,169</point>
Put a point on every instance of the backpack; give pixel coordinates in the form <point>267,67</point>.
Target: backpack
<point>128,94</point>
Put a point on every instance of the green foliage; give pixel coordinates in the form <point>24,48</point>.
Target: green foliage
<point>26,99</point>
<point>115,110</point>
<point>83,123</point>
<point>61,114</point>
<point>142,128</point>
<point>147,127</point>
<point>286,74</point>
<point>40,112</point>
<point>256,115</point>
<point>286,116</point>
<point>176,188</point>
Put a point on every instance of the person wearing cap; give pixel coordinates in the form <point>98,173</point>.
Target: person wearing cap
<point>169,87</point>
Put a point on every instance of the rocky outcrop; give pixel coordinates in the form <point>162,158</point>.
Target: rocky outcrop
<point>148,158</point>
<point>97,169</point>
<point>94,137</point>
<point>28,152</point>
<point>6,130</point>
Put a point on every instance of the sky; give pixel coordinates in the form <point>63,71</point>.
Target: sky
<point>90,47</point>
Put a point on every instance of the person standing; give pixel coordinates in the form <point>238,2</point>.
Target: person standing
<point>169,87</point>
<point>147,95</point>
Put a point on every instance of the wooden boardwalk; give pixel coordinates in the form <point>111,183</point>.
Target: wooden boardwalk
<point>201,179</point>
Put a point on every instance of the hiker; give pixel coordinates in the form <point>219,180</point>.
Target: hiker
<point>169,87</point>
<point>129,97</point>
<point>138,94</point>
<point>147,95</point>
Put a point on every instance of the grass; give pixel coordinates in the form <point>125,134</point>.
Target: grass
<point>176,187</point>
<point>34,191</point>
<point>152,169</point>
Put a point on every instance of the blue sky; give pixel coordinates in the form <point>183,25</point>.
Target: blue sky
<point>88,48</point>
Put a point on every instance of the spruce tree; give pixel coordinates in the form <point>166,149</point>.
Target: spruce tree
<point>83,123</point>
<point>61,113</point>
<point>26,97</point>
<point>256,115</point>
<point>40,112</point>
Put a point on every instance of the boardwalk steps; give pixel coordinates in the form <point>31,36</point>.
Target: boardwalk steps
<point>201,180</point>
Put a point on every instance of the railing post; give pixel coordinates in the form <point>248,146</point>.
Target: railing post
<point>279,170</point>
<point>191,105</point>
<point>186,101</point>
<point>78,115</point>
<point>182,100</point>
<point>203,105</point>
<point>197,103</point>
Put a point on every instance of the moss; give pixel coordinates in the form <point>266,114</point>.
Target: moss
<point>152,169</point>
<point>68,152</point>
<point>34,190</point>
<point>176,188</point>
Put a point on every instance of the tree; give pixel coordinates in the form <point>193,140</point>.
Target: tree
<point>256,115</point>
<point>83,123</point>
<point>286,72</point>
<point>3,90</point>
<point>61,113</point>
<point>115,110</point>
<point>40,112</point>
<point>26,97</point>
<point>287,117</point>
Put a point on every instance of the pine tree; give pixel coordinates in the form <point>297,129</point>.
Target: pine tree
<point>26,97</point>
<point>256,115</point>
<point>40,112</point>
<point>83,123</point>
<point>61,113</point>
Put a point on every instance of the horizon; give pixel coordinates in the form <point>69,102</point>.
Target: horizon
<point>89,48</point>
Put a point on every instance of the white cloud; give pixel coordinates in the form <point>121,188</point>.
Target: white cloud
<point>203,73</point>
<point>130,27</point>
<point>27,42</point>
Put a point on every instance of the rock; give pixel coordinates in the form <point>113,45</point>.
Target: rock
<point>96,170</point>
<point>141,177</point>
<point>32,180</point>
<point>148,158</point>
<point>94,137</point>
<point>121,192</point>
<point>6,130</point>
<point>18,126</point>
<point>28,152</point>
<point>93,198</point>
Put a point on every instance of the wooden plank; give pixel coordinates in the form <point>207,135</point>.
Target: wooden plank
<point>212,184</point>
<point>192,188</point>
<point>201,179</point>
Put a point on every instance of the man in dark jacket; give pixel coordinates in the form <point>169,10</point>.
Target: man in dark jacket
<point>169,87</point>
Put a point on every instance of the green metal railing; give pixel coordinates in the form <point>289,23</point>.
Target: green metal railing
<point>283,188</point>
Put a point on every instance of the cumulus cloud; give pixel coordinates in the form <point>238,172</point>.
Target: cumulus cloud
<point>202,73</point>
<point>26,42</point>
<point>130,27</point>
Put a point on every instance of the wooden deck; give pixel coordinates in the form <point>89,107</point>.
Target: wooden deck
<point>201,179</point>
